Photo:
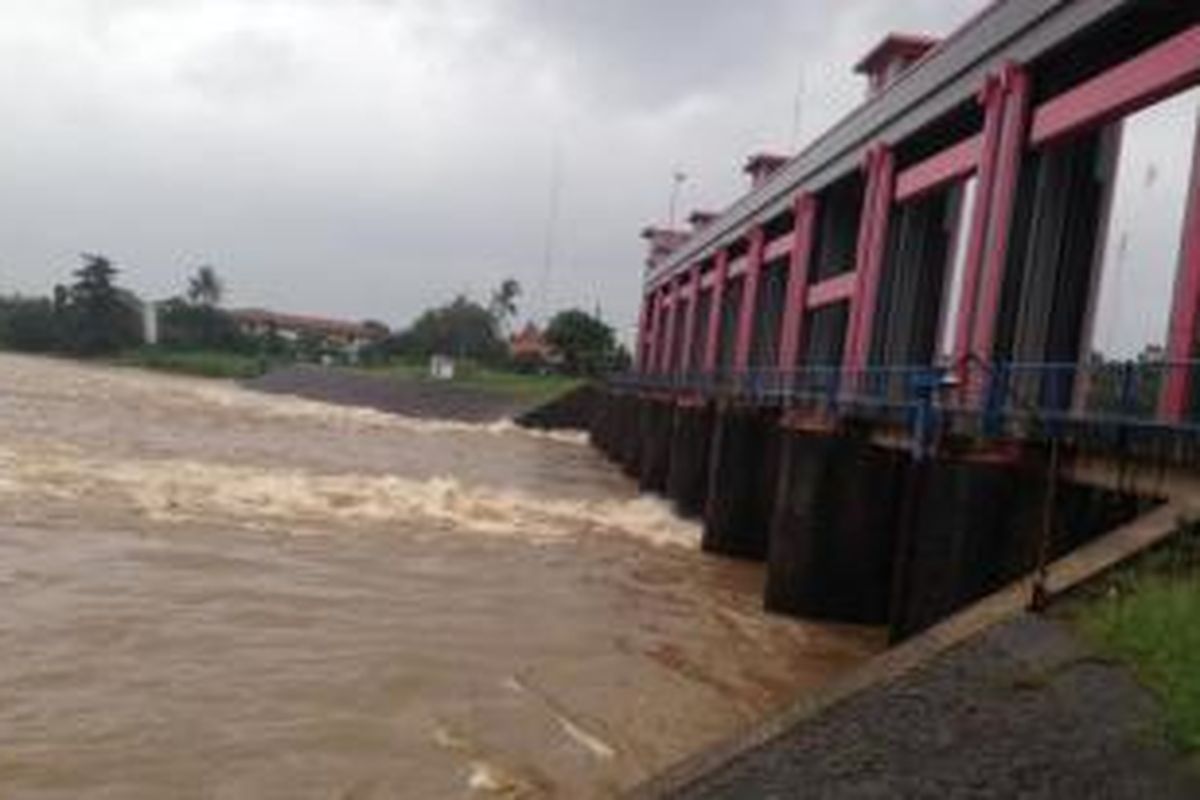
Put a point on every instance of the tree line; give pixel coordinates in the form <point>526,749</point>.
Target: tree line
<point>93,316</point>
<point>580,343</point>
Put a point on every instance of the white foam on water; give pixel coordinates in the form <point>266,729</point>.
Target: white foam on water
<point>35,381</point>
<point>488,778</point>
<point>590,742</point>
<point>184,490</point>
<point>289,407</point>
<point>483,775</point>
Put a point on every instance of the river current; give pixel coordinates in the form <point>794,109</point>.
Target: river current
<point>207,592</point>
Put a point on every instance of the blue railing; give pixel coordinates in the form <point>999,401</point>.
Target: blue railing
<point>998,398</point>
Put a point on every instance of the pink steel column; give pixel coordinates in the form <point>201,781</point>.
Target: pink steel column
<point>1013,138</point>
<point>872,242</point>
<point>660,323</point>
<point>745,328</point>
<point>651,328</point>
<point>1185,307</point>
<point>713,345</point>
<point>864,234</point>
<point>671,292</point>
<point>797,286</point>
<point>992,99</point>
<point>639,353</point>
<point>689,324</point>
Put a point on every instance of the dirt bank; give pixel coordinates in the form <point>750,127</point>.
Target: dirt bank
<point>409,397</point>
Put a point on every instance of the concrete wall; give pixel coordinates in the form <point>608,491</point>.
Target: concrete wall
<point>852,530</point>
<point>834,528</point>
<point>574,410</point>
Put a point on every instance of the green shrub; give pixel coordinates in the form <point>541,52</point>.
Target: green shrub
<point>1149,616</point>
<point>202,363</point>
<point>29,324</point>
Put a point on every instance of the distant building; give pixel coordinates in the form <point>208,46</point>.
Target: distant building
<point>347,337</point>
<point>442,368</point>
<point>529,347</point>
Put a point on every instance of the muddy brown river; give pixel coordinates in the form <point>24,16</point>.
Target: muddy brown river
<point>210,593</point>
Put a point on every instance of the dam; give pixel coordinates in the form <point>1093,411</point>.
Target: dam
<point>896,370</point>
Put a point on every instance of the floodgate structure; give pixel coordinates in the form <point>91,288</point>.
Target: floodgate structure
<point>922,358</point>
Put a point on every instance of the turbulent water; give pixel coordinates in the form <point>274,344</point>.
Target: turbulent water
<point>210,593</point>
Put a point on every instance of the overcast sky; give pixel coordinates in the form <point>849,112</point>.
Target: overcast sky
<point>366,158</point>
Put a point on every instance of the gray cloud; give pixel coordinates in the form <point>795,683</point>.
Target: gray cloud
<point>244,65</point>
<point>654,54</point>
<point>367,158</point>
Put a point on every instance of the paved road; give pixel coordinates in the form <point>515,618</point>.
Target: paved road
<point>1021,711</point>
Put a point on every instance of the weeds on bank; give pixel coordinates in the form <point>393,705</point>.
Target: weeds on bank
<point>528,388</point>
<point>1148,616</point>
<point>201,363</point>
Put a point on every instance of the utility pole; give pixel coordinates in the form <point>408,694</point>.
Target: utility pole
<point>678,178</point>
<point>798,111</point>
<point>550,236</point>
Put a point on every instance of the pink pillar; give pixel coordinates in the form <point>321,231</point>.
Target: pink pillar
<point>713,345</point>
<point>1185,307</point>
<point>660,321</point>
<point>745,325</point>
<point>689,324</point>
<point>1013,137</point>
<point>671,301</point>
<point>650,332</point>
<point>877,205</point>
<point>864,235</point>
<point>639,351</point>
<point>797,285</point>
<point>992,99</point>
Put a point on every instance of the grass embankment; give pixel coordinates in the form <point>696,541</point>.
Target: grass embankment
<point>1148,616</point>
<point>525,388</point>
<point>201,363</point>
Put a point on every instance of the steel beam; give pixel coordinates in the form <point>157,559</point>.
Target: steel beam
<point>668,346</point>
<point>832,290</point>
<point>745,327</point>
<point>650,363</point>
<point>991,96</point>
<point>1011,149</point>
<point>1185,306</point>
<point>779,248</point>
<point>639,356</point>
<point>1142,81</point>
<point>872,244</point>
<point>953,163</point>
<point>792,327</point>
<point>720,278</point>
<point>689,325</point>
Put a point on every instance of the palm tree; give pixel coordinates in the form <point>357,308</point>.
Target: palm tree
<point>504,302</point>
<point>206,288</point>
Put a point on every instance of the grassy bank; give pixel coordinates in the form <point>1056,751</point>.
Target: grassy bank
<point>201,363</point>
<point>1148,616</point>
<point>525,388</point>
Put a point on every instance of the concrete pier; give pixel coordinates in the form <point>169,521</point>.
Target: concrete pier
<point>832,536</point>
<point>629,436</point>
<point>970,524</point>
<point>688,474</point>
<point>655,420</point>
<point>978,524</point>
<point>743,469</point>
<point>853,528</point>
